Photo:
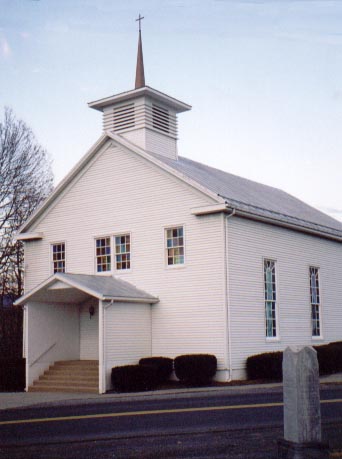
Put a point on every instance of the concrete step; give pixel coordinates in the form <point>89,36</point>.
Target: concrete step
<point>69,376</point>
<point>65,383</point>
<point>70,371</point>
<point>75,381</point>
<point>79,363</point>
<point>38,388</point>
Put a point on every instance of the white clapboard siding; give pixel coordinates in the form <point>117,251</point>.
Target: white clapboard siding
<point>294,252</point>
<point>120,193</point>
<point>89,333</point>
<point>153,141</point>
<point>127,335</point>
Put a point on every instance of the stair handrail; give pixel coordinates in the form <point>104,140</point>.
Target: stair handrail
<point>42,354</point>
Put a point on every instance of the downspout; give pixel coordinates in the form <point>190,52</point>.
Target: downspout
<point>227,293</point>
<point>102,384</point>
<point>25,346</point>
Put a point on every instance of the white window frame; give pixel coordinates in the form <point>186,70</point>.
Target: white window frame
<point>120,234</point>
<point>113,253</point>
<point>320,336</point>
<point>179,265</point>
<point>101,273</point>
<point>52,268</point>
<point>276,301</point>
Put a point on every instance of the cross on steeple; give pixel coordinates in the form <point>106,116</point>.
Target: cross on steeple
<point>140,18</point>
<point>140,74</point>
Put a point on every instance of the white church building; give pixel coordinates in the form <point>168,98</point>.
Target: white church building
<point>140,252</point>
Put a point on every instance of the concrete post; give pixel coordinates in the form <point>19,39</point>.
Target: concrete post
<point>302,414</point>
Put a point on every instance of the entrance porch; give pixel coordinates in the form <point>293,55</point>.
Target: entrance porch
<point>74,318</point>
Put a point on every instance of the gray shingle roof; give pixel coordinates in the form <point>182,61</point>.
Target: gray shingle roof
<point>106,286</point>
<point>256,198</point>
<point>76,288</point>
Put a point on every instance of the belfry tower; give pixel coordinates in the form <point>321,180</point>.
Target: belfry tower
<point>144,116</point>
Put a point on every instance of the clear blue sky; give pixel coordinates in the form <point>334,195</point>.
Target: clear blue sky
<point>264,78</point>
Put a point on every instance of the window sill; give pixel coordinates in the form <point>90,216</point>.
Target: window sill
<point>274,339</point>
<point>171,267</point>
<point>120,272</point>
<point>103,273</point>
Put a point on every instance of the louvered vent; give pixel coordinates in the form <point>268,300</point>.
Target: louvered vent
<point>160,119</point>
<point>123,117</point>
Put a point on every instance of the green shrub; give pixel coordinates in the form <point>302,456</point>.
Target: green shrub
<point>265,366</point>
<point>269,365</point>
<point>11,332</point>
<point>329,358</point>
<point>12,374</point>
<point>134,378</point>
<point>163,366</point>
<point>195,369</point>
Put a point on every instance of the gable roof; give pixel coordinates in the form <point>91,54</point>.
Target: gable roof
<point>66,287</point>
<point>257,199</point>
<point>245,197</point>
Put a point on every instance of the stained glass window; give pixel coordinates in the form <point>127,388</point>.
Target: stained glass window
<point>270,298</point>
<point>175,246</point>
<point>123,252</point>
<point>58,258</point>
<point>103,254</point>
<point>315,301</point>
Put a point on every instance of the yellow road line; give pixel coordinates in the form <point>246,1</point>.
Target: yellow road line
<point>149,412</point>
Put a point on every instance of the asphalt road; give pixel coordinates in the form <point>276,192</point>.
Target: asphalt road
<point>214,426</point>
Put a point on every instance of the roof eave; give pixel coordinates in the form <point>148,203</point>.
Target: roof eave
<point>29,237</point>
<point>151,300</point>
<point>231,210</point>
<point>283,224</point>
<point>173,103</point>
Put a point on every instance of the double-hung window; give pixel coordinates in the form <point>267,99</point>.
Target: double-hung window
<point>175,246</point>
<point>58,257</point>
<point>103,254</point>
<point>117,248</point>
<point>315,298</point>
<point>270,289</point>
<point>122,252</point>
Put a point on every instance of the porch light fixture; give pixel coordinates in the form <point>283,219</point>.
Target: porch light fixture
<point>91,311</point>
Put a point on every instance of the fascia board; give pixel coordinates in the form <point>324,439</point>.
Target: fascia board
<point>23,299</point>
<point>173,103</point>
<point>139,151</point>
<point>118,299</point>
<point>29,237</point>
<point>50,281</point>
<point>63,184</point>
<point>209,210</point>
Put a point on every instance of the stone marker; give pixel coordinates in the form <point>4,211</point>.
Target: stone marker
<point>302,413</point>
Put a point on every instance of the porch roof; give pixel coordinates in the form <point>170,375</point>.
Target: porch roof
<point>76,288</point>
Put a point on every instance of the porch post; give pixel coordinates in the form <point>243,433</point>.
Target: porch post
<point>102,363</point>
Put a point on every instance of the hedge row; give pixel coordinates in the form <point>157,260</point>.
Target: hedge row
<point>192,369</point>
<point>195,369</point>
<point>12,374</point>
<point>11,332</point>
<point>269,365</point>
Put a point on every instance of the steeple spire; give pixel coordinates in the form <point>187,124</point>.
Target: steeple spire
<point>140,74</point>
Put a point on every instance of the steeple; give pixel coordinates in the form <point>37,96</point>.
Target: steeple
<point>144,116</point>
<point>140,74</point>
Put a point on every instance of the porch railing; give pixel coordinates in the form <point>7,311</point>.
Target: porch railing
<point>42,354</point>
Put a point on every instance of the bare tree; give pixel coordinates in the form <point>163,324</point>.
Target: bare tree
<point>25,180</point>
